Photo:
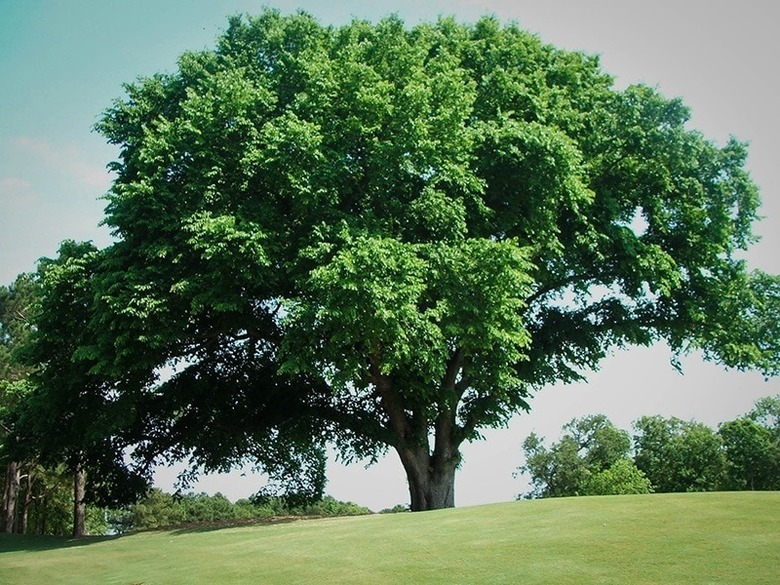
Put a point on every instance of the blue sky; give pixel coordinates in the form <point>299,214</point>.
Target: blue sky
<point>62,62</point>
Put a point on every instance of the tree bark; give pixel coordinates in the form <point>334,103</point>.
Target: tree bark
<point>431,479</point>
<point>430,474</point>
<point>10,495</point>
<point>79,508</point>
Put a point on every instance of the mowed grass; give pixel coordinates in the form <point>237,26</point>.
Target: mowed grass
<point>665,538</point>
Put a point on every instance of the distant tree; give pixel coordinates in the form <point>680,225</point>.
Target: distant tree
<point>766,412</point>
<point>397,509</point>
<point>601,443</point>
<point>678,455</point>
<point>555,471</point>
<point>330,506</point>
<point>15,303</point>
<point>201,508</point>
<point>11,392</point>
<point>364,236</point>
<point>752,454</point>
<point>157,509</point>
<point>591,458</point>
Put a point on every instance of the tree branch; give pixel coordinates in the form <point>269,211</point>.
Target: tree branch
<point>390,401</point>
<point>561,283</point>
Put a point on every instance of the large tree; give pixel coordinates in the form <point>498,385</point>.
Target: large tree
<point>384,237</point>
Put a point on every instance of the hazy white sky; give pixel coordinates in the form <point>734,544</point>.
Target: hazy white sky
<point>63,61</point>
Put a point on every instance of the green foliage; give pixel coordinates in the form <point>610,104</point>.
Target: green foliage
<point>159,509</point>
<point>69,416</point>
<point>554,472</point>
<point>53,509</point>
<point>591,458</point>
<point>622,477</point>
<point>670,455</point>
<point>45,503</point>
<point>16,302</point>
<point>677,455</point>
<point>329,506</point>
<point>752,455</point>
<point>766,412</point>
<point>12,394</point>
<point>156,510</point>
<point>397,509</point>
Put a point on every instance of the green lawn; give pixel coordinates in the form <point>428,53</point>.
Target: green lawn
<point>665,538</point>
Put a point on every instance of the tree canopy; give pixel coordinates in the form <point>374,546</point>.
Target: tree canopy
<point>380,237</point>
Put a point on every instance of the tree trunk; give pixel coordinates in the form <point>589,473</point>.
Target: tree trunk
<point>431,479</point>
<point>430,474</point>
<point>43,516</point>
<point>9,497</point>
<point>26,504</point>
<point>79,508</point>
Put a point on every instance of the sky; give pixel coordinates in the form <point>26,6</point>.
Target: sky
<point>62,62</point>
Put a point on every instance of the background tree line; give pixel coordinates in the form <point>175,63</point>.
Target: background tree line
<point>594,457</point>
<point>159,509</point>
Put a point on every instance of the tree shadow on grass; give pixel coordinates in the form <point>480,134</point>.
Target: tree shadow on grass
<point>30,543</point>
<point>199,527</point>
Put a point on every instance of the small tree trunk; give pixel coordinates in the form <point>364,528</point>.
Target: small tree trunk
<point>28,498</point>
<point>43,516</point>
<point>79,508</point>
<point>431,480</point>
<point>9,497</point>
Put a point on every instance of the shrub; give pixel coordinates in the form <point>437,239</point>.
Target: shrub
<point>622,477</point>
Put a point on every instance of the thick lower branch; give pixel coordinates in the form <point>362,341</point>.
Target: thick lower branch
<point>390,401</point>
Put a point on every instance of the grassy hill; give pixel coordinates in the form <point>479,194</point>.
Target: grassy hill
<point>666,538</point>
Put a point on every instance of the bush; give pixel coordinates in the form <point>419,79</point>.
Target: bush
<point>398,508</point>
<point>162,510</point>
<point>329,506</point>
<point>622,477</point>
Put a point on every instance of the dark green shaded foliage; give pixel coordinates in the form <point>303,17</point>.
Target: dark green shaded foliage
<point>72,416</point>
<point>752,455</point>
<point>678,455</point>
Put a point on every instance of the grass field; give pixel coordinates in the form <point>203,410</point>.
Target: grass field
<point>665,538</point>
